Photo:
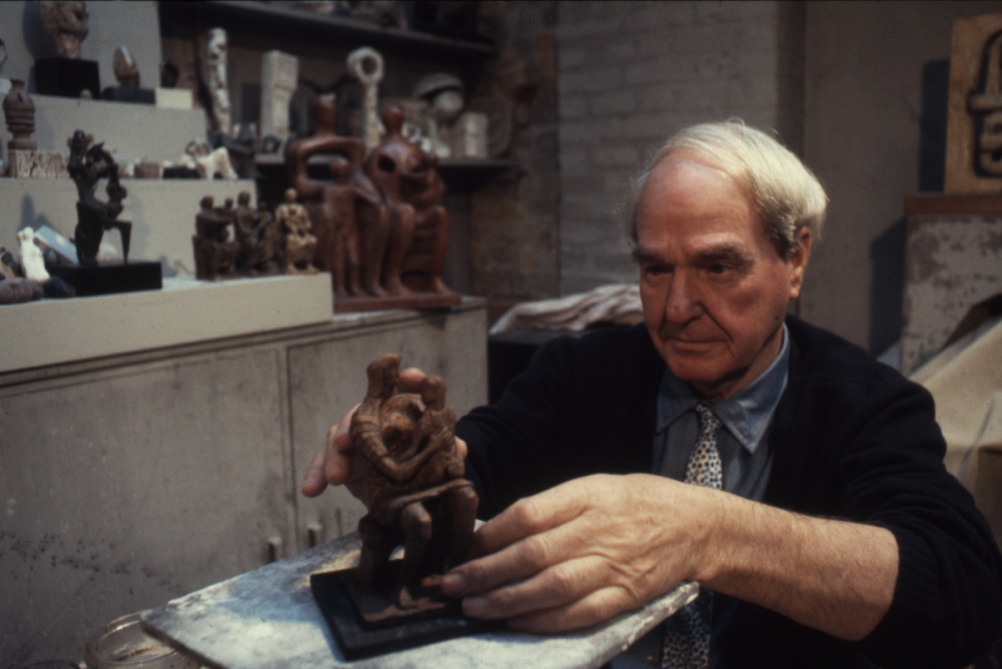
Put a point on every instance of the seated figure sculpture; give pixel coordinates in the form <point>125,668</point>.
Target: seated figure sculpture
<point>408,178</point>
<point>215,252</point>
<point>300,243</point>
<point>417,494</point>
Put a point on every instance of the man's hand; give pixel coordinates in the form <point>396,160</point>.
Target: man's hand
<point>335,465</point>
<point>589,549</point>
<point>583,552</point>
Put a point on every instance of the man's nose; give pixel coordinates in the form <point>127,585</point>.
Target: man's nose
<point>682,302</point>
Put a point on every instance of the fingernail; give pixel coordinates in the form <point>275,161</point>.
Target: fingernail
<point>475,607</point>
<point>453,585</point>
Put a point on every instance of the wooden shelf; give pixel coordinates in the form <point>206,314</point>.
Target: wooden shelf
<point>249,17</point>
<point>461,175</point>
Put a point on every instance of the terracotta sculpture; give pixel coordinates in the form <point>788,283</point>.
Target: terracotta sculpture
<point>371,215</point>
<point>66,23</point>
<point>340,197</point>
<point>215,252</point>
<point>87,166</point>
<point>418,496</point>
<point>300,244</point>
<point>408,178</point>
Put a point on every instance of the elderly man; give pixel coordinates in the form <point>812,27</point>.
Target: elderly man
<point>797,480</point>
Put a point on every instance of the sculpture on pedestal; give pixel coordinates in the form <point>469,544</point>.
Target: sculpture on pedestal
<point>215,80</point>
<point>418,497</point>
<point>19,114</point>
<point>67,74</point>
<point>300,243</point>
<point>87,166</point>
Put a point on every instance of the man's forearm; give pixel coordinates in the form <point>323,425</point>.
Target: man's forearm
<point>831,575</point>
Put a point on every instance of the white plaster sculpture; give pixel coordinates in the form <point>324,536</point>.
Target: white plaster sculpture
<point>207,161</point>
<point>469,136</point>
<point>124,66</point>
<point>30,256</point>
<point>367,65</point>
<point>215,79</point>
<point>4,83</point>
<point>279,74</point>
<point>444,94</point>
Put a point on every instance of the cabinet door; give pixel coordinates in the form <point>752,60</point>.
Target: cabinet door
<point>123,488</point>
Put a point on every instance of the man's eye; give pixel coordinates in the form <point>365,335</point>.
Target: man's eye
<point>717,268</point>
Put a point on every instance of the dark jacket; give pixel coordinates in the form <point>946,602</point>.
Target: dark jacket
<point>852,439</point>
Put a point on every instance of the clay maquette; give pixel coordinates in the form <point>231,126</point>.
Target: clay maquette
<point>215,252</point>
<point>300,244</point>
<point>417,496</point>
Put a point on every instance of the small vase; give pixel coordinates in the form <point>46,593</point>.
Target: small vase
<point>19,112</point>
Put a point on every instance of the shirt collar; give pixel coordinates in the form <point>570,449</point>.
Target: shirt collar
<point>746,415</point>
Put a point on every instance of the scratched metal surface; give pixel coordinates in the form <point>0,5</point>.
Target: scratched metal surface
<point>267,618</point>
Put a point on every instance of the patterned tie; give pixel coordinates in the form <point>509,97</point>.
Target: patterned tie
<point>687,633</point>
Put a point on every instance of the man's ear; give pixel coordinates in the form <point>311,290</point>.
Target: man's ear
<point>798,262</point>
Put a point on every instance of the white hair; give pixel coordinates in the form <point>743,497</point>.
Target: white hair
<point>787,195</point>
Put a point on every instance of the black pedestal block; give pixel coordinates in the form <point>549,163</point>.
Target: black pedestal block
<point>111,278</point>
<point>67,77</point>
<point>143,96</point>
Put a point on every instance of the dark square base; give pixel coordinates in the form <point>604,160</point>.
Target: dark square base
<point>111,278</point>
<point>142,96</point>
<point>358,639</point>
<point>65,77</point>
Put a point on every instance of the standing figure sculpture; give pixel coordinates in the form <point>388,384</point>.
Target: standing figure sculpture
<point>417,494</point>
<point>253,231</point>
<point>87,165</point>
<point>300,244</point>
<point>214,74</point>
<point>340,199</point>
<point>371,215</point>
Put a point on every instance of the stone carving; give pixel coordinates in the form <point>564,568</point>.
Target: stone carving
<point>371,215</point>
<point>418,497</point>
<point>444,95</point>
<point>215,252</point>
<point>215,80</point>
<point>408,178</point>
<point>988,106</point>
<point>87,165</point>
<point>256,235</point>
<point>300,244</point>
<point>19,113</point>
<point>279,73</point>
<point>208,162</point>
<point>66,23</point>
<point>367,66</point>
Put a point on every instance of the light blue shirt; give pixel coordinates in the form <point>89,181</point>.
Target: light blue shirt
<point>745,456</point>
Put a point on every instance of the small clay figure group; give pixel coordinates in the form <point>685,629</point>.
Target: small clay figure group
<point>254,250</point>
<point>417,494</point>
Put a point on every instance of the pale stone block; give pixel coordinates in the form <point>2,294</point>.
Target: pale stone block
<point>279,73</point>
<point>174,98</point>
<point>37,165</point>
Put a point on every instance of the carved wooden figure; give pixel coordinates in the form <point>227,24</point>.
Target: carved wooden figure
<point>417,495</point>
<point>215,252</point>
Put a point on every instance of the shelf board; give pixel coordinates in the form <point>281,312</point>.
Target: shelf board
<point>461,175</point>
<point>250,17</point>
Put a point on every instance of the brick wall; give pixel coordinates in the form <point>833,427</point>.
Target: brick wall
<point>631,73</point>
